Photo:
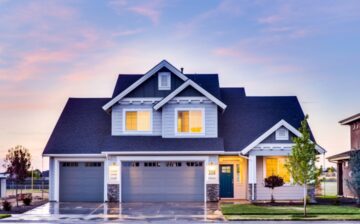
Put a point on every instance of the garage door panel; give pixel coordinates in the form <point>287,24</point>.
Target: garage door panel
<point>79,182</point>
<point>162,183</point>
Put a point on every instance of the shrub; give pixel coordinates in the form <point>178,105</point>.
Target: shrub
<point>272,182</point>
<point>6,206</point>
<point>27,201</point>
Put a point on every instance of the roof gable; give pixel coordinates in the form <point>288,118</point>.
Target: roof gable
<point>147,75</point>
<point>272,130</point>
<point>183,87</point>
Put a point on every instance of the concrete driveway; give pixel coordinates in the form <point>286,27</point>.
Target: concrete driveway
<point>108,212</point>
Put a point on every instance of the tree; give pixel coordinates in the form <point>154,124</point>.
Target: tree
<point>301,163</point>
<point>17,164</point>
<point>354,181</point>
<point>272,182</point>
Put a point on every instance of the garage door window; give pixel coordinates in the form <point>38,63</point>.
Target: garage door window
<point>173,164</point>
<point>70,164</point>
<point>131,164</point>
<point>191,164</point>
<point>93,164</point>
<point>152,164</point>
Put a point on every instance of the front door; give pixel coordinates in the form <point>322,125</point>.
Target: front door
<point>226,181</point>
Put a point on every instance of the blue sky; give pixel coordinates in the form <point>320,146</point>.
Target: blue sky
<point>51,50</point>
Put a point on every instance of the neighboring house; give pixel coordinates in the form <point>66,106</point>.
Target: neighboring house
<point>169,136</point>
<point>3,177</point>
<point>342,159</point>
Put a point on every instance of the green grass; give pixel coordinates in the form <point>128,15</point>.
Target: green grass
<point>266,212</point>
<point>3,216</point>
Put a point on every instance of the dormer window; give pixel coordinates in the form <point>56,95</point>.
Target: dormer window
<point>164,81</point>
<point>137,120</point>
<point>282,134</point>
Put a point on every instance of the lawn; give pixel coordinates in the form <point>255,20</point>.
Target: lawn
<point>3,216</point>
<point>266,212</point>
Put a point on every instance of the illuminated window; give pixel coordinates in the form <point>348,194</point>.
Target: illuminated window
<point>276,166</point>
<point>190,121</point>
<point>138,121</point>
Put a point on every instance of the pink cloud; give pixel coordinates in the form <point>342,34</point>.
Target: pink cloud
<point>147,11</point>
<point>240,54</point>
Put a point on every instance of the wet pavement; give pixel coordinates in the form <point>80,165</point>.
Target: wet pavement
<point>116,212</point>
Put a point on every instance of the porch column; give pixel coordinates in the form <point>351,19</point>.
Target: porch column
<point>252,177</point>
<point>340,178</point>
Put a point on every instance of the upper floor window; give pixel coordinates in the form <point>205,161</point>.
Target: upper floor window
<point>282,134</point>
<point>137,120</point>
<point>164,81</point>
<point>190,121</point>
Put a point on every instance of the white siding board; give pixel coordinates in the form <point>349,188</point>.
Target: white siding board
<point>291,192</point>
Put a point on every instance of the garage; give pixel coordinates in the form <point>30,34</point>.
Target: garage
<point>81,182</point>
<point>153,181</point>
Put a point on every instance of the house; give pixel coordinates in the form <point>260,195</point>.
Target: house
<point>169,136</point>
<point>342,159</point>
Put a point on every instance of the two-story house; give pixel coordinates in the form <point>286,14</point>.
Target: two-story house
<point>169,136</point>
<point>342,159</point>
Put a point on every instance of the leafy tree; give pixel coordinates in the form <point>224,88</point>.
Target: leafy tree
<point>301,162</point>
<point>17,164</point>
<point>354,181</point>
<point>272,182</point>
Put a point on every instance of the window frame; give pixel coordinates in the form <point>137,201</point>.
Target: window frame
<point>166,74</point>
<point>189,134</point>
<point>132,131</point>
<point>282,138</point>
<point>264,169</point>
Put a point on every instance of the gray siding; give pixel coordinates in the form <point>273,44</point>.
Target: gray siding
<point>51,179</point>
<point>117,119</point>
<point>211,118</point>
<point>292,192</point>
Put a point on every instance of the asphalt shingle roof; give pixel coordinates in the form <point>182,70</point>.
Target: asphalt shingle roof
<point>84,127</point>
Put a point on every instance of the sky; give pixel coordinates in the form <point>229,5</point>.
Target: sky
<point>53,50</point>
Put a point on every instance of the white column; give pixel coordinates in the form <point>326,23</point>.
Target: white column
<point>252,174</point>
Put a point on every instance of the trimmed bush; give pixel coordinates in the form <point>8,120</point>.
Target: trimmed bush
<point>27,201</point>
<point>6,206</point>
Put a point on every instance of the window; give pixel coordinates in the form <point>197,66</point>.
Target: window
<point>173,164</point>
<point>191,164</point>
<point>131,164</point>
<point>190,121</point>
<point>152,164</point>
<point>282,134</point>
<point>276,166</point>
<point>93,164</point>
<point>138,120</point>
<point>225,169</point>
<point>70,164</point>
<point>164,81</point>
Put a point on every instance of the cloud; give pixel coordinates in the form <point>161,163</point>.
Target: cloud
<point>150,10</point>
<point>127,32</point>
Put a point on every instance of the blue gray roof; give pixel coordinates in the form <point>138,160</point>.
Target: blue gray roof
<point>84,128</point>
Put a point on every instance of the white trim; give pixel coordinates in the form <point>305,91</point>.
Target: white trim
<point>57,171</point>
<point>190,134</point>
<point>204,159</point>
<point>147,75</point>
<point>169,153</point>
<point>272,130</point>
<point>195,86</point>
<point>98,155</point>
<point>150,132</point>
<point>168,84</point>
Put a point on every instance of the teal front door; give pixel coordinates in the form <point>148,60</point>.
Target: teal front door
<point>226,181</point>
